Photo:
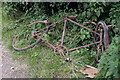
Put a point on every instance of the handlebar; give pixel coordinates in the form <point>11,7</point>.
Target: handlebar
<point>90,22</point>
<point>45,21</point>
<point>70,16</point>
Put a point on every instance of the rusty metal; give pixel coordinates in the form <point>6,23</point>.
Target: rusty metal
<point>48,26</point>
<point>105,28</point>
<point>84,46</point>
<point>82,26</point>
<point>90,22</point>
<point>99,45</point>
<point>63,33</point>
<point>61,49</point>
<point>45,21</point>
<point>71,17</point>
<point>46,42</point>
<point>30,46</point>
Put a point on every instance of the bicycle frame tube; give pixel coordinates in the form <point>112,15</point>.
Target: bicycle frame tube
<point>83,46</point>
<point>82,26</point>
<point>53,25</point>
<point>47,43</point>
<point>63,33</point>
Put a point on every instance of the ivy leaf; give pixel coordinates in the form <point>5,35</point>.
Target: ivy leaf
<point>21,42</point>
<point>83,14</point>
<point>88,36</point>
<point>104,3</point>
<point>98,13</point>
<point>94,18</point>
<point>85,6</point>
<point>88,14</point>
<point>108,20</point>
<point>92,9</point>
<point>113,21</point>
<point>101,9</point>
<point>87,32</point>
<point>83,37</point>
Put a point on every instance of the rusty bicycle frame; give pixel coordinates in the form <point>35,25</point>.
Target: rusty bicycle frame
<point>65,19</point>
<point>61,49</point>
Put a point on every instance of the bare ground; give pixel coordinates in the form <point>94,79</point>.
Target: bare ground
<point>12,68</point>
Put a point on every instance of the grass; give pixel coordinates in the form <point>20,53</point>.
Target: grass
<point>41,60</point>
<point>0,24</point>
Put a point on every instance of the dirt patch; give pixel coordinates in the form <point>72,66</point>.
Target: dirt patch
<point>10,68</point>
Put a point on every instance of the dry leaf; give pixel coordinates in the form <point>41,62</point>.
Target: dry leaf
<point>89,71</point>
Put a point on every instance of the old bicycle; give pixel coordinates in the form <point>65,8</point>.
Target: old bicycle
<point>100,35</point>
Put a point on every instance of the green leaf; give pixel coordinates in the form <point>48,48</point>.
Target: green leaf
<point>104,3</point>
<point>108,20</point>
<point>101,9</point>
<point>113,21</point>
<point>88,36</point>
<point>88,14</point>
<point>94,18</point>
<point>85,6</point>
<point>87,32</point>
<point>108,73</point>
<point>83,37</point>
<point>21,42</point>
<point>83,14</point>
<point>116,75</point>
<point>98,13</point>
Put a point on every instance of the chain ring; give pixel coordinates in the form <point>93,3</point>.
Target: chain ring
<point>61,50</point>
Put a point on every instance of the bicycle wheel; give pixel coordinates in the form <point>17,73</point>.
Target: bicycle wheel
<point>24,40</point>
<point>105,36</point>
<point>102,29</point>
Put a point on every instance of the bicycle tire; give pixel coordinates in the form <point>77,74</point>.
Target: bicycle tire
<point>105,38</point>
<point>32,45</point>
<point>106,35</point>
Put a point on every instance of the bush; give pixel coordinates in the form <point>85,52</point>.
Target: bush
<point>108,64</point>
<point>108,12</point>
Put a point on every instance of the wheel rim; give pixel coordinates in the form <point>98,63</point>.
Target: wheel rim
<point>20,43</point>
<point>102,29</point>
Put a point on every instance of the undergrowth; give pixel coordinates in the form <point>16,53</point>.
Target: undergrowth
<point>41,60</point>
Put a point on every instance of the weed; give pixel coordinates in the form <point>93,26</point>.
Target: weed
<point>41,60</point>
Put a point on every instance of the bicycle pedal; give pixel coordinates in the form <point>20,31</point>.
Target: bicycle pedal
<point>68,60</point>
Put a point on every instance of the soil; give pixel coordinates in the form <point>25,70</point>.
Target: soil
<point>11,68</point>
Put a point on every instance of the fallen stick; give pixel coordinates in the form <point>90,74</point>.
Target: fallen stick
<point>90,66</point>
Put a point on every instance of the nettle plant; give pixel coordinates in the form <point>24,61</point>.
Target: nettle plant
<point>108,64</point>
